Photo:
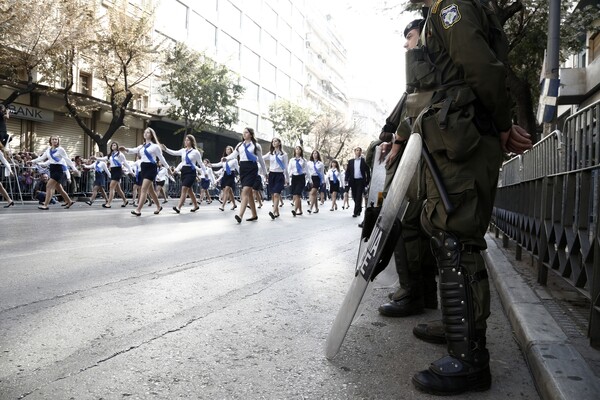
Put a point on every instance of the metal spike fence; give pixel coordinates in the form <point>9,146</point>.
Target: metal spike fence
<point>548,202</point>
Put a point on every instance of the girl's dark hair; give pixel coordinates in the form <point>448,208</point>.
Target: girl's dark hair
<point>318,155</point>
<point>252,138</point>
<point>272,148</point>
<point>225,150</point>
<point>192,139</point>
<point>111,151</point>
<point>301,151</point>
<point>337,164</point>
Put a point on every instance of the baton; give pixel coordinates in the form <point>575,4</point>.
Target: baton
<point>437,179</point>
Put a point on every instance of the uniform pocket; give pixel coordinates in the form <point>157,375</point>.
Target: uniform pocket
<point>458,139</point>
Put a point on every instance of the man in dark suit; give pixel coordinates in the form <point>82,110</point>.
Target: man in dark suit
<point>358,176</point>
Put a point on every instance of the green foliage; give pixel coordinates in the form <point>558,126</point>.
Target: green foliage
<point>199,91</point>
<point>290,121</point>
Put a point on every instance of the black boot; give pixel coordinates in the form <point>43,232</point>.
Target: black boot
<point>432,332</point>
<point>404,302</point>
<point>450,376</point>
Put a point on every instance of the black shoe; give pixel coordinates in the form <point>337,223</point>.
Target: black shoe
<point>12,203</point>
<point>361,225</point>
<point>402,308</point>
<point>272,215</point>
<point>89,202</point>
<point>238,219</point>
<point>354,215</point>
<point>177,210</point>
<point>450,376</point>
<point>252,219</point>
<point>432,332</point>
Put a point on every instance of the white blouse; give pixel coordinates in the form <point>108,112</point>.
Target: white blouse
<point>152,149</point>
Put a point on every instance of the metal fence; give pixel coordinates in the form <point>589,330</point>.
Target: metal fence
<point>548,202</point>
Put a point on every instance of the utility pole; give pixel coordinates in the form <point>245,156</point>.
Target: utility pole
<point>551,84</point>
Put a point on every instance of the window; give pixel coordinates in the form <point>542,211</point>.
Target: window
<point>250,97</point>
<point>269,46</point>
<point>283,84</point>
<point>266,99</point>
<point>228,50</point>
<point>285,32</point>
<point>251,33</point>
<point>298,43</point>
<point>266,128</point>
<point>269,19</point>
<point>296,90</point>
<point>172,19</point>
<point>284,57</point>
<point>297,68</point>
<point>230,15</point>
<point>85,84</point>
<point>248,119</point>
<point>206,6</point>
<point>250,63</point>
<point>203,34</point>
<point>268,74</point>
<point>594,47</point>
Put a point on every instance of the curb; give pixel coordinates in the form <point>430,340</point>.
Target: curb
<point>559,371</point>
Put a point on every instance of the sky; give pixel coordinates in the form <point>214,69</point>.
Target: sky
<point>374,42</point>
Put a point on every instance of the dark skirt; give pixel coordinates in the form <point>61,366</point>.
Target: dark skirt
<point>276,182</point>
<point>228,181</point>
<point>205,183</point>
<point>334,187</point>
<point>116,173</point>
<point>188,176</point>
<point>298,182</point>
<point>100,179</point>
<point>139,179</point>
<point>160,183</point>
<point>56,172</point>
<point>149,171</point>
<point>249,174</point>
<point>316,181</point>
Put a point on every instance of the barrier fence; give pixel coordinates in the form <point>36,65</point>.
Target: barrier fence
<point>548,202</point>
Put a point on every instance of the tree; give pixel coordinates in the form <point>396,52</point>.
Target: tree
<point>199,91</point>
<point>290,121</point>
<point>331,134</point>
<point>526,25</point>
<point>120,55</point>
<point>32,37</point>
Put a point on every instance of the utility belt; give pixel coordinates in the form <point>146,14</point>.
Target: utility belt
<point>451,120</point>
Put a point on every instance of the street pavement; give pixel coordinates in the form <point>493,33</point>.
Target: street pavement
<point>100,304</point>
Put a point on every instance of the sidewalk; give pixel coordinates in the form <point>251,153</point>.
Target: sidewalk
<point>562,366</point>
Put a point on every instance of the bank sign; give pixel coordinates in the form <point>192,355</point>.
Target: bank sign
<point>31,113</point>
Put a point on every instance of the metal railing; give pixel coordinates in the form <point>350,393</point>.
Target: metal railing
<point>548,202</point>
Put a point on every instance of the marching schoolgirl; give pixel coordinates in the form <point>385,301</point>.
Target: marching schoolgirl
<point>334,178</point>
<point>316,170</point>
<point>278,174</point>
<point>101,172</point>
<point>117,163</point>
<point>250,154</point>
<point>298,170</point>
<point>191,164</point>
<point>149,152</point>
<point>230,168</point>
<point>56,156</point>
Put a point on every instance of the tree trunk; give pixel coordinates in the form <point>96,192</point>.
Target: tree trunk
<point>521,93</point>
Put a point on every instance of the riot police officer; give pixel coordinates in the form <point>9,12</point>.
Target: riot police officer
<point>465,120</point>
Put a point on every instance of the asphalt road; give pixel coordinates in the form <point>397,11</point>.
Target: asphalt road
<point>99,304</point>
